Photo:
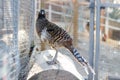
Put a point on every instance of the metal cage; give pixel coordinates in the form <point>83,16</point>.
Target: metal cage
<point>25,34</point>
<point>16,35</point>
<point>9,55</point>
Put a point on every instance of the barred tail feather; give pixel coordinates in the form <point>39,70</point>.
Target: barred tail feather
<point>91,69</point>
<point>78,56</point>
<point>82,60</point>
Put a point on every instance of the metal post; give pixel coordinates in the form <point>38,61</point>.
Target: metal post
<point>50,12</point>
<point>106,23</point>
<point>98,3</point>
<point>35,14</point>
<point>33,22</point>
<point>15,20</point>
<point>2,8</point>
<point>109,5</point>
<point>91,41</point>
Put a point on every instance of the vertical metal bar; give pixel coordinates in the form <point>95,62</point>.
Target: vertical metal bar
<point>35,10</point>
<point>15,20</point>
<point>33,21</point>
<point>50,13</point>
<point>16,33</point>
<point>2,13</point>
<point>81,10</point>
<point>91,41</point>
<point>107,22</point>
<point>98,3</point>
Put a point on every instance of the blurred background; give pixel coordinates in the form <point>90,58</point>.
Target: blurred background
<point>94,27</point>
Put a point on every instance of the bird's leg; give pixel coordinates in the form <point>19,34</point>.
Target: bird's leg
<point>54,60</point>
<point>55,57</point>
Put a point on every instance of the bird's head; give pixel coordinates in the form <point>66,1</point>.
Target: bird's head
<point>41,14</point>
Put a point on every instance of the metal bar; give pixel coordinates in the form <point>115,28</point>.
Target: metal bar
<point>97,38</point>
<point>3,13</point>
<point>35,14</point>
<point>109,5</point>
<point>110,19</point>
<point>111,27</point>
<point>59,13</point>
<point>16,20</point>
<point>55,4</point>
<point>33,21</point>
<point>85,20</point>
<point>2,7</point>
<point>91,38</point>
<point>49,11</point>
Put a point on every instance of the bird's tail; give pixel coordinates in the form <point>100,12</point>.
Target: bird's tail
<point>82,60</point>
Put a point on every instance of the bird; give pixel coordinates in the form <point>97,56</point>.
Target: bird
<point>57,37</point>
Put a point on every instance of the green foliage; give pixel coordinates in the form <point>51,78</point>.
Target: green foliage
<point>115,14</point>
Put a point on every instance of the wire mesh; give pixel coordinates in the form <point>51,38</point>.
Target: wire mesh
<point>110,1</point>
<point>16,36</point>
<point>25,35</point>
<point>9,61</point>
<point>109,46</point>
<point>109,38</point>
<point>84,32</point>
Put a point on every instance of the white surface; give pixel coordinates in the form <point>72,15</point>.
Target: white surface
<point>65,63</point>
